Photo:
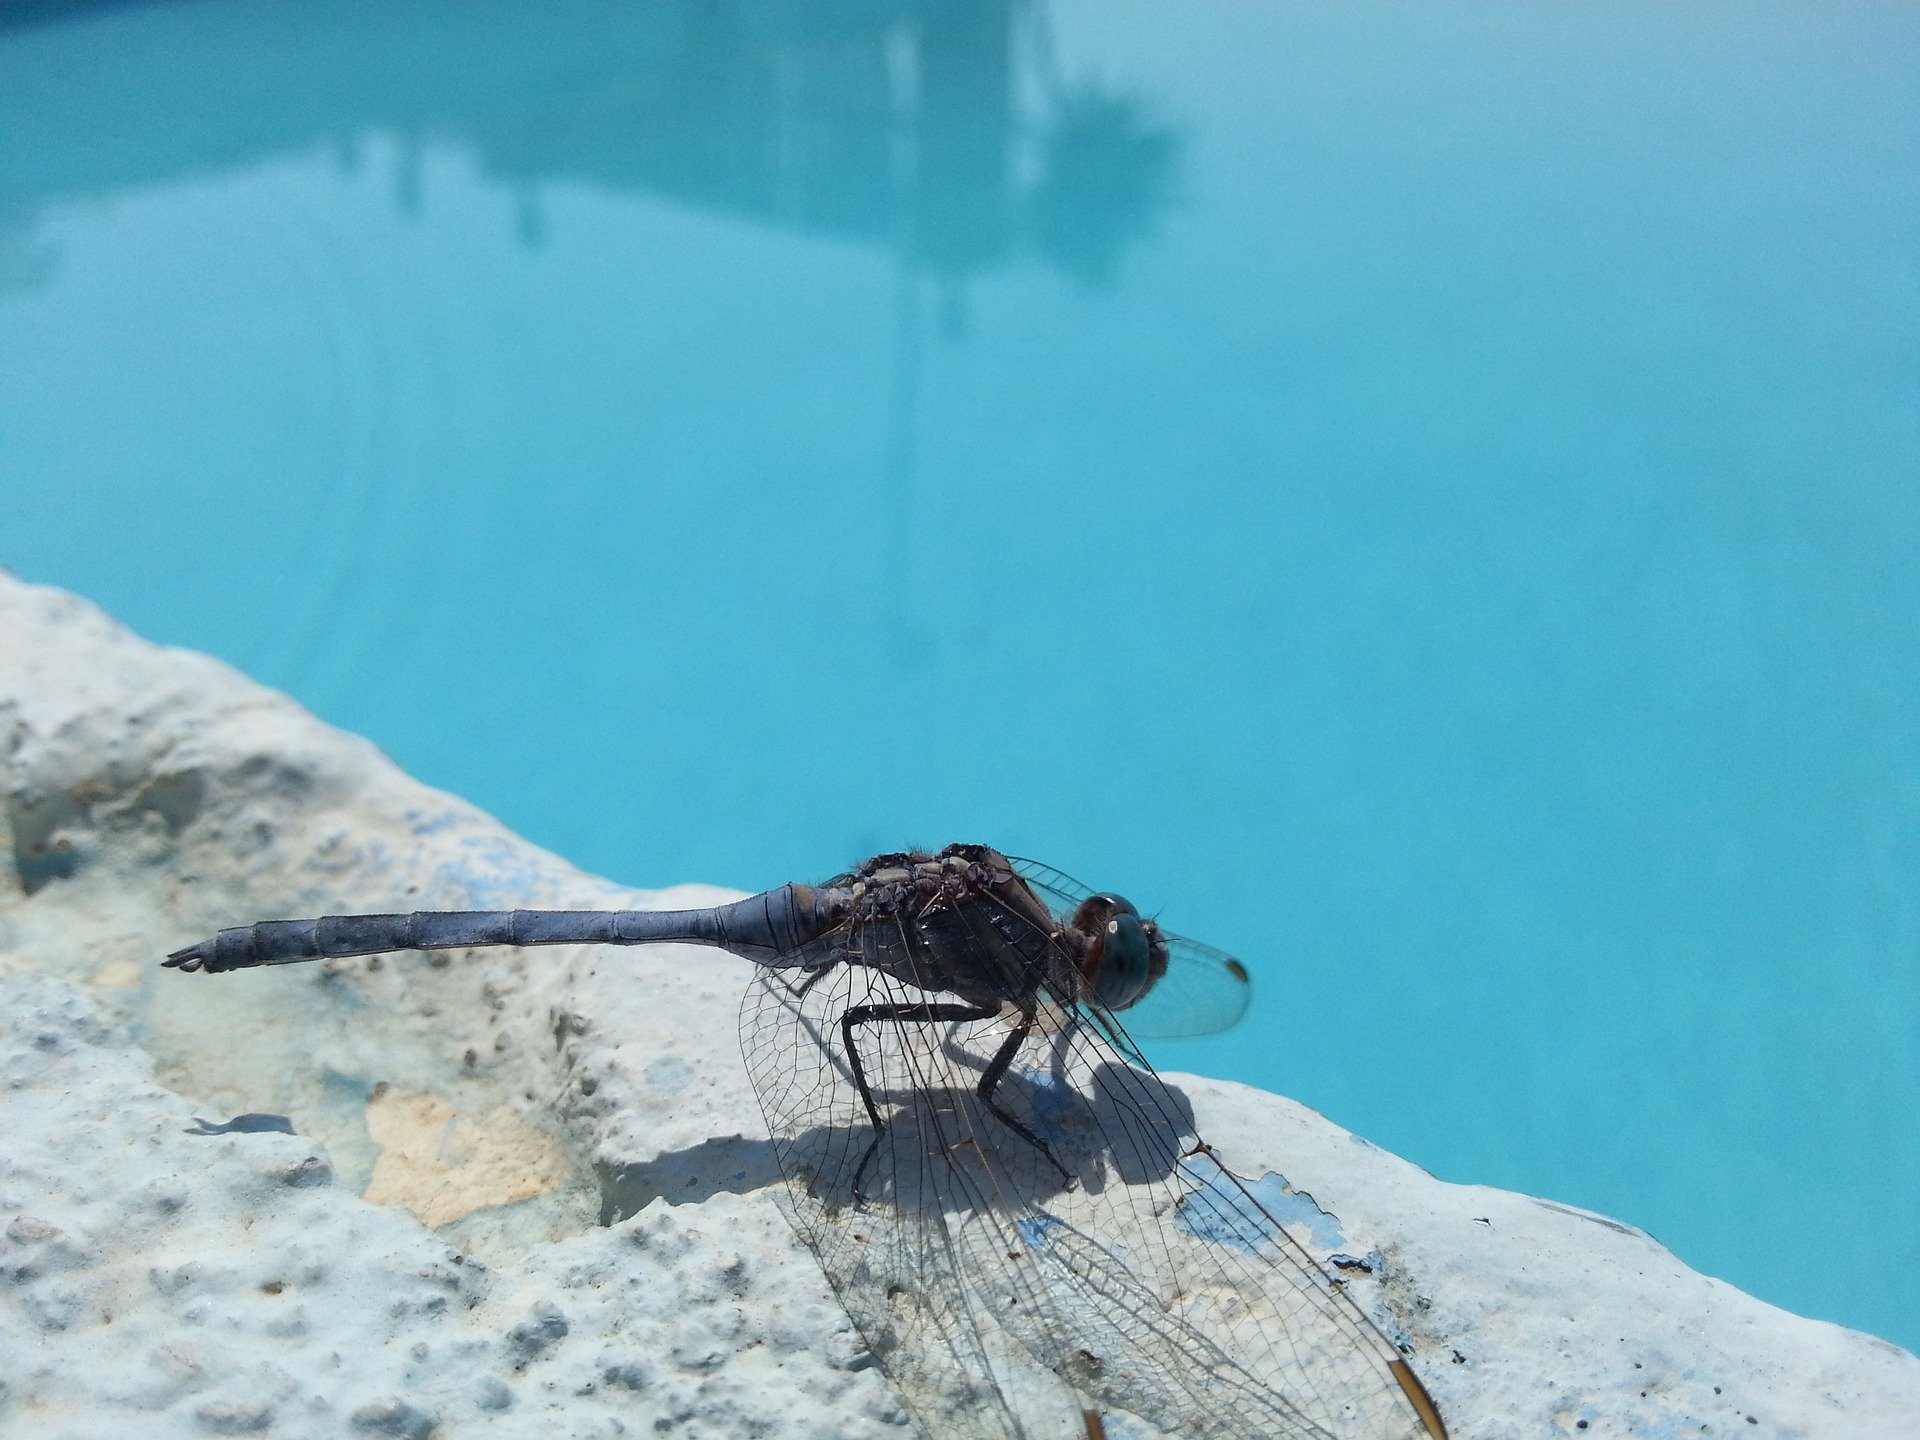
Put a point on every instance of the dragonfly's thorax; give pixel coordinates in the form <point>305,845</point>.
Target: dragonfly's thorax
<point>961,922</point>
<point>907,880</point>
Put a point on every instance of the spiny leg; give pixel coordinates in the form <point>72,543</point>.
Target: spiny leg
<point>814,977</point>
<point>997,1071</point>
<point>901,1013</point>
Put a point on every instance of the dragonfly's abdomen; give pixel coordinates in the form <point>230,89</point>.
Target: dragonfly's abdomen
<point>768,929</point>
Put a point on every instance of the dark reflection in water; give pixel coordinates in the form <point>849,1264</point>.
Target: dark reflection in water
<point>942,131</point>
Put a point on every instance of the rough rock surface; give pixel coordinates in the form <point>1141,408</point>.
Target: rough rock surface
<point>576,1128</point>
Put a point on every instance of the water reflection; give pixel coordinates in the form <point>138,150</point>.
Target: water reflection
<point>944,132</point>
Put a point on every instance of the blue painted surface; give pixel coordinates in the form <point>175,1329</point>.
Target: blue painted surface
<point>1249,1215</point>
<point>1421,495</point>
<point>1035,1230</point>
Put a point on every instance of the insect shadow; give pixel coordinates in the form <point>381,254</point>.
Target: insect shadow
<point>1125,1126</point>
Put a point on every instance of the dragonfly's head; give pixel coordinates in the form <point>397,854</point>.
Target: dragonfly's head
<point>1125,955</point>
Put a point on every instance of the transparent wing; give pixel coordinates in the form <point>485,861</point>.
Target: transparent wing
<point>1062,892</point>
<point>1009,1285</point>
<point>893,1255</point>
<point>1203,992</point>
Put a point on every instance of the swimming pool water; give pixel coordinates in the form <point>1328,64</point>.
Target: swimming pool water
<point>1421,495</point>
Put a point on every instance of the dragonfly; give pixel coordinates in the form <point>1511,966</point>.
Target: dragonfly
<point>1015,1210</point>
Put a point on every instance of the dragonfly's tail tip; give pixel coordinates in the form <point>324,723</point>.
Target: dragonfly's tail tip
<point>190,959</point>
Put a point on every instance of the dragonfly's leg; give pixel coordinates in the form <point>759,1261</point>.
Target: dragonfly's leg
<point>900,1014</point>
<point>996,1072</point>
<point>814,977</point>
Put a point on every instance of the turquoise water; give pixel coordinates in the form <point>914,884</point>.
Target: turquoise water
<point>1421,494</point>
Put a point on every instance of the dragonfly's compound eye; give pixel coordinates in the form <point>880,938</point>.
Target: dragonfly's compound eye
<point>1118,967</point>
<point>1124,963</point>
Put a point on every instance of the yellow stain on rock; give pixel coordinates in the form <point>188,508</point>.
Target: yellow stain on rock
<point>442,1165</point>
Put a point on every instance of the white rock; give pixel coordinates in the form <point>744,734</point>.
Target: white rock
<point>155,1281</point>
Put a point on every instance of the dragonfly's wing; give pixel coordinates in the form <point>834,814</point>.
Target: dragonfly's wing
<point>1224,1292</point>
<point>1062,892</point>
<point>894,1259</point>
<point>1203,992</point>
<point>1003,1298</point>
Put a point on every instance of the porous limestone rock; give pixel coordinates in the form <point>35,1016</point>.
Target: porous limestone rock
<point>529,1193</point>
